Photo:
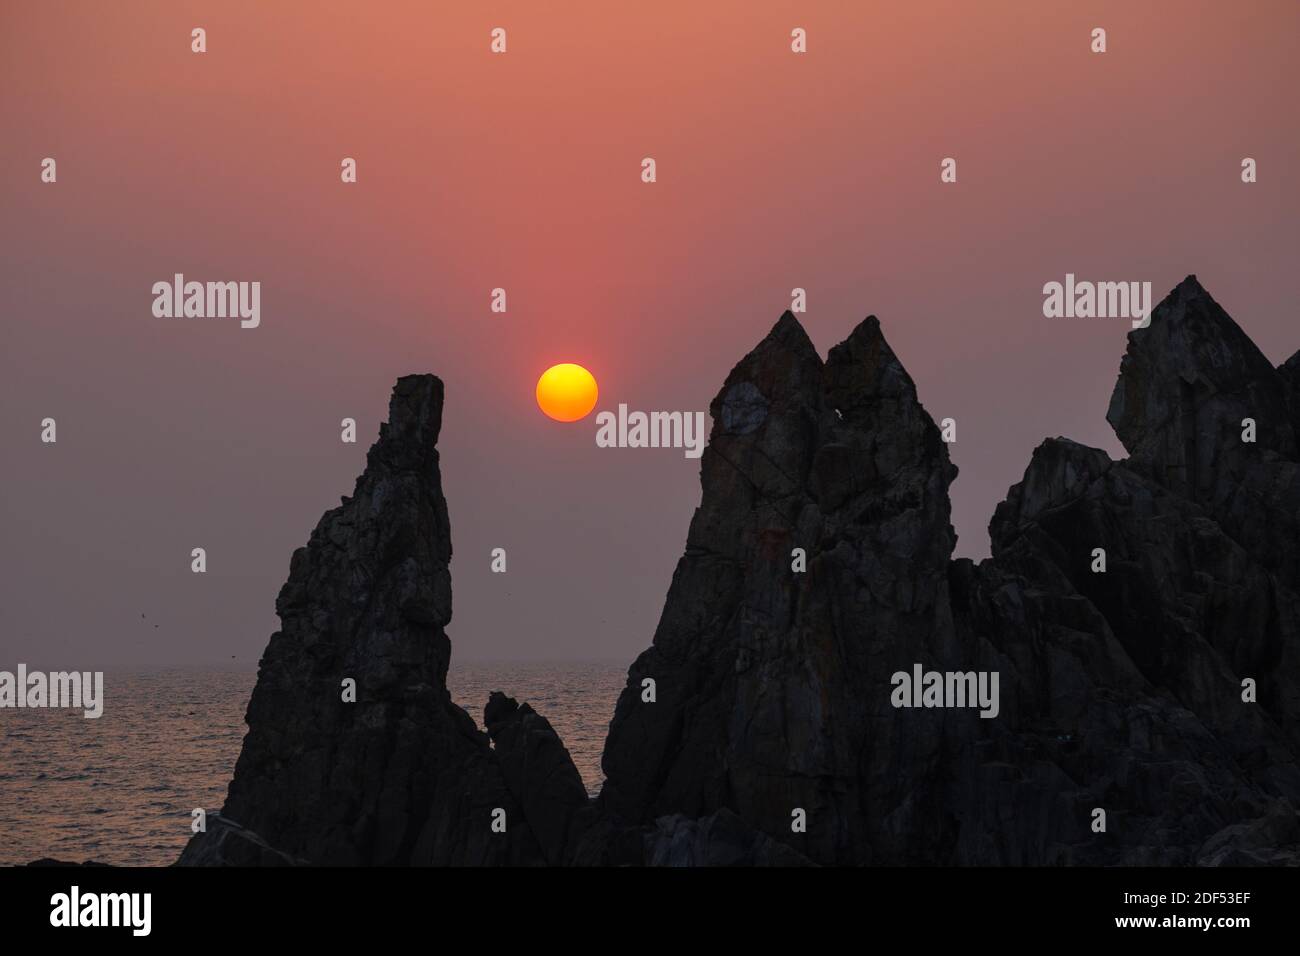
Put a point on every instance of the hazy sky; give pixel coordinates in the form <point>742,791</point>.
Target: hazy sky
<point>522,170</point>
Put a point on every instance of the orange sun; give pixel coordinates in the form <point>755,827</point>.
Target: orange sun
<point>566,392</point>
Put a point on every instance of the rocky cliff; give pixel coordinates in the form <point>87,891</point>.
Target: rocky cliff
<point>1123,607</point>
<point>1117,684</point>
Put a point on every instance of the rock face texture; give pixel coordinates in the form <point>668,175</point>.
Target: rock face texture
<point>1189,387</point>
<point>1118,683</point>
<point>764,677</point>
<point>1120,690</point>
<point>401,775</point>
<point>539,771</point>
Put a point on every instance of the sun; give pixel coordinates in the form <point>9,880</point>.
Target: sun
<point>566,392</point>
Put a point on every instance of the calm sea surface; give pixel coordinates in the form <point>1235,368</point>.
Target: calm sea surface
<point>120,789</point>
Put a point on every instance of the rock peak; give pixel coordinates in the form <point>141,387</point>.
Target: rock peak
<point>1185,385</point>
<point>1189,288</point>
<point>355,753</point>
<point>760,670</point>
<point>410,436</point>
<point>1123,607</point>
<point>789,331</point>
<point>786,337</point>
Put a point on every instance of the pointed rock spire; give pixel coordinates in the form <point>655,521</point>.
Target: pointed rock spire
<point>1186,385</point>
<point>355,753</point>
<point>758,669</point>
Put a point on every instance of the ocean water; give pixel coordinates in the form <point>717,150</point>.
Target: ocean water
<point>120,789</point>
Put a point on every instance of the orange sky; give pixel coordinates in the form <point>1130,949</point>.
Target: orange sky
<point>522,171</point>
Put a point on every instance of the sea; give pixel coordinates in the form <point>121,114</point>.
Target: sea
<point>121,789</point>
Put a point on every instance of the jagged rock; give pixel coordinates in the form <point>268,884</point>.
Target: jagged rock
<point>1120,689</point>
<point>1194,612</point>
<point>538,770</point>
<point>401,775</point>
<point>1140,667</point>
<point>1187,385</point>
<point>772,686</point>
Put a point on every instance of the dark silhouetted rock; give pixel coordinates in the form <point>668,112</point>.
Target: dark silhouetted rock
<point>46,861</point>
<point>1119,690</point>
<point>1289,372</point>
<point>772,687</point>
<point>538,770</point>
<point>226,843</point>
<point>1187,386</point>
<point>760,727</point>
<point>402,775</point>
<point>1191,607</point>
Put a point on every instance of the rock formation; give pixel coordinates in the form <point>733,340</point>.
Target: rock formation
<point>1142,618</point>
<point>765,678</point>
<point>538,771</point>
<point>402,775</point>
<point>1120,690</point>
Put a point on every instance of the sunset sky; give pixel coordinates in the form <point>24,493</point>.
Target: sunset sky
<point>522,171</point>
